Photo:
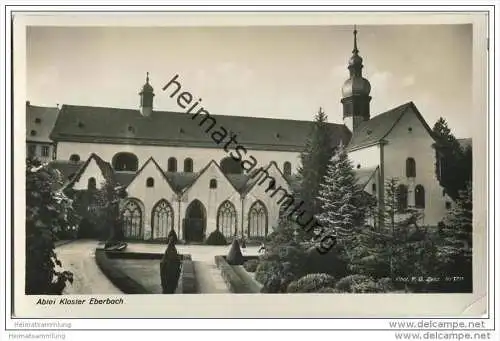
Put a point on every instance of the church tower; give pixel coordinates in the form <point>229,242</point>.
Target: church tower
<point>147,95</point>
<point>356,91</point>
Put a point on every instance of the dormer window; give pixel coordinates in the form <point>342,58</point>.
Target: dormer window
<point>278,135</point>
<point>410,129</point>
<point>131,129</point>
<point>38,120</point>
<point>80,124</point>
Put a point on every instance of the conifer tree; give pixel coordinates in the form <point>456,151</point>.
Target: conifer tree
<point>314,160</point>
<point>455,250</point>
<point>340,197</point>
<point>453,163</point>
<point>401,249</point>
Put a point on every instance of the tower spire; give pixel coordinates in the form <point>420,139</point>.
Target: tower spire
<point>355,32</point>
<point>356,90</point>
<point>146,95</point>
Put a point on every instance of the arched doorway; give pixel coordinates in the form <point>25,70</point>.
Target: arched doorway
<point>131,216</point>
<point>162,219</point>
<point>195,222</point>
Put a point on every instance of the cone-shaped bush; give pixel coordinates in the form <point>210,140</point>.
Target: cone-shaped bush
<point>170,268</point>
<point>172,235</point>
<point>234,257</point>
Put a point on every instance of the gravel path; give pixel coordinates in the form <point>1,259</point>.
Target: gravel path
<point>79,258</point>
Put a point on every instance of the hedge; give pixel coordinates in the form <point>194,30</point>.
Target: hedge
<point>233,281</point>
<point>311,283</point>
<point>121,280</point>
<point>140,255</point>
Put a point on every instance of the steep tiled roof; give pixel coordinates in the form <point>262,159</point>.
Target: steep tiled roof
<point>65,168</point>
<point>39,122</point>
<point>376,129</point>
<point>106,169</point>
<point>124,178</point>
<point>238,180</point>
<point>179,181</point>
<point>113,125</point>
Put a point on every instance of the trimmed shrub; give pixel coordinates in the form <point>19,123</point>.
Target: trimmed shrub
<point>358,284</point>
<point>216,238</point>
<point>235,257</point>
<point>312,283</point>
<point>172,235</point>
<point>251,265</point>
<point>170,268</point>
<point>280,266</point>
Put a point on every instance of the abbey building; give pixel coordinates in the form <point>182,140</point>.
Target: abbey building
<point>176,177</point>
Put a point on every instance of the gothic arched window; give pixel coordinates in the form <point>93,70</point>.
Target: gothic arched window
<point>226,219</point>
<point>132,219</point>
<point>419,196</point>
<point>172,164</point>
<point>410,167</point>
<point>257,220</point>
<point>162,219</point>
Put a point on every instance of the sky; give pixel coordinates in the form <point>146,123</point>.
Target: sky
<point>279,72</point>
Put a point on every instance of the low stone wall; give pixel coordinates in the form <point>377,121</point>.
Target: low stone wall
<point>237,284</point>
<point>188,278</point>
<point>105,261</point>
<point>121,280</point>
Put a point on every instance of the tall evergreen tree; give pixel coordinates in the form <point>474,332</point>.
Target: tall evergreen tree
<point>314,160</point>
<point>453,163</point>
<point>455,250</point>
<point>400,249</point>
<point>340,198</point>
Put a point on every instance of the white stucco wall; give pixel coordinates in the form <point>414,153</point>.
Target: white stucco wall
<point>92,171</point>
<point>211,198</point>
<point>149,196</point>
<point>258,192</point>
<point>368,157</point>
<point>201,156</point>
<point>417,144</point>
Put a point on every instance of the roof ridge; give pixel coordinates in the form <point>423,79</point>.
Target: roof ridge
<point>184,113</point>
